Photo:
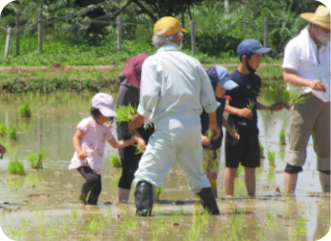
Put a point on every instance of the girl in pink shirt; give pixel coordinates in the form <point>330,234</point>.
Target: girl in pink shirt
<point>89,142</point>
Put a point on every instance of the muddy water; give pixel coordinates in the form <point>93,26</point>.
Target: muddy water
<point>43,204</point>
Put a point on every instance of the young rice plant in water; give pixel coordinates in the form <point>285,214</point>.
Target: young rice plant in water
<point>12,131</point>
<point>16,167</point>
<point>271,158</point>
<point>278,94</point>
<point>25,110</point>
<point>3,129</point>
<point>282,136</point>
<point>115,161</point>
<point>239,170</point>
<point>261,149</point>
<point>158,192</point>
<point>36,160</point>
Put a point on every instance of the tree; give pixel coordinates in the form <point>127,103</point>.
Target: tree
<point>157,9</point>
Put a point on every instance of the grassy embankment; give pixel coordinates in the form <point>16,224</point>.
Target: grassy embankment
<point>62,60</point>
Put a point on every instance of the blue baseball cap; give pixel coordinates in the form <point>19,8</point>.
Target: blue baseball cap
<point>251,46</point>
<point>220,75</point>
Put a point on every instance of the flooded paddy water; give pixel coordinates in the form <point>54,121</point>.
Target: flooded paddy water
<point>42,205</point>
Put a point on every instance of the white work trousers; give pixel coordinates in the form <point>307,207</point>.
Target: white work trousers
<point>176,137</point>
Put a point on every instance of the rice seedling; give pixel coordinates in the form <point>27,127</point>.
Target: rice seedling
<point>132,223</point>
<point>278,94</point>
<point>16,167</point>
<point>25,110</point>
<point>281,136</point>
<point>209,135</point>
<point>261,150</point>
<point>239,170</point>
<point>270,220</point>
<point>158,192</point>
<point>93,226</point>
<point>74,213</point>
<point>115,161</point>
<point>301,226</point>
<point>251,104</point>
<point>12,131</point>
<point>271,158</point>
<point>234,141</point>
<point>3,129</point>
<point>139,149</point>
<point>125,113</point>
<point>36,159</point>
<point>181,211</point>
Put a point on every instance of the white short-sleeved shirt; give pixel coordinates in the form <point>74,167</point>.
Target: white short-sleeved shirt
<point>93,143</point>
<point>309,61</point>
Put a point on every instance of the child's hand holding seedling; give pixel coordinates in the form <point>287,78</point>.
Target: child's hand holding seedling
<point>205,140</point>
<point>245,112</point>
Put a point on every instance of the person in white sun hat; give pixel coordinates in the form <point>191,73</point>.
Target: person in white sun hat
<point>89,142</point>
<point>306,69</point>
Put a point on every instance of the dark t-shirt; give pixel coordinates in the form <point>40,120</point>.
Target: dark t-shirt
<point>248,89</point>
<point>215,144</point>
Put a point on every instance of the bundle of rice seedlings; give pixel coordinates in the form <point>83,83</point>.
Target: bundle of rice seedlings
<point>115,161</point>
<point>16,167</point>
<point>278,94</point>
<point>158,192</point>
<point>251,104</point>
<point>209,134</point>
<point>282,136</point>
<point>3,129</point>
<point>125,112</point>
<point>12,131</point>
<point>36,159</point>
<point>139,149</point>
<point>271,158</point>
<point>25,110</point>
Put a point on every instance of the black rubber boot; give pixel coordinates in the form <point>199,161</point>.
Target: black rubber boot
<point>144,199</point>
<point>208,201</point>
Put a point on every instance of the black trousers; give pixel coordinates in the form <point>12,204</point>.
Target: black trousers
<point>92,185</point>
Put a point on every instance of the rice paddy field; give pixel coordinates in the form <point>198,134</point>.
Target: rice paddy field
<point>43,203</point>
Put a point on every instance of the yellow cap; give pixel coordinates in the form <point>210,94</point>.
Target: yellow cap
<point>167,26</point>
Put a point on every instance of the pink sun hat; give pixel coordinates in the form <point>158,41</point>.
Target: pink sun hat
<point>132,69</point>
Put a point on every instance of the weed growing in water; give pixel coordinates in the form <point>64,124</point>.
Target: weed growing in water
<point>239,170</point>
<point>261,149</point>
<point>3,129</point>
<point>281,136</point>
<point>16,167</point>
<point>25,110</point>
<point>115,161</point>
<point>271,158</point>
<point>36,159</point>
<point>158,192</point>
<point>12,131</point>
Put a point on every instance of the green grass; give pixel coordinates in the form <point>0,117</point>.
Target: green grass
<point>25,110</point>
<point>278,94</point>
<point>12,131</point>
<point>125,112</point>
<point>36,160</point>
<point>271,158</point>
<point>3,129</point>
<point>281,136</point>
<point>115,161</point>
<point>16,167</point>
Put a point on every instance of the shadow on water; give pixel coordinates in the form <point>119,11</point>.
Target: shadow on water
<point>43,204</point>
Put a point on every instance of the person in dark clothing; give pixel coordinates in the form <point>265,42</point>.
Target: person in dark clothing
<point>128,93</point>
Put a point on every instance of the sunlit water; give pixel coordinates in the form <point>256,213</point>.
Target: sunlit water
<point>43,204</point>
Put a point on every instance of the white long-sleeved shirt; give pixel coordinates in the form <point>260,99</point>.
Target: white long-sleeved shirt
<point>173,82</point>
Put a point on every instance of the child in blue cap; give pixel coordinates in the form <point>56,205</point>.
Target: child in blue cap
<point>244,119</point>
<point>221,82</point>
